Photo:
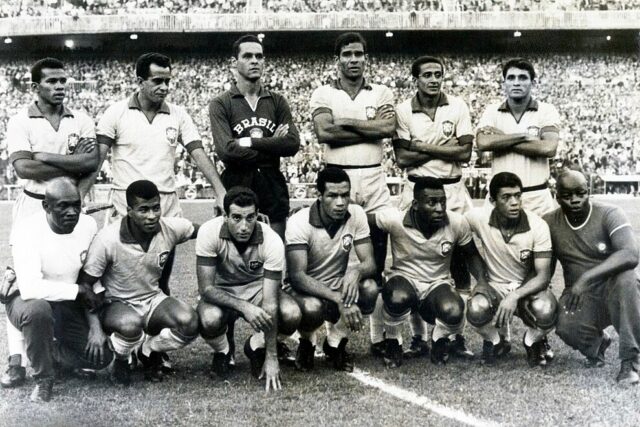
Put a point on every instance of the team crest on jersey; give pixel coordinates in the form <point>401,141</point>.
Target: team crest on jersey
<point>255,265</point>
<point>525,255</point>
<point>256,133</point>
<point>172,136</point>
<point>371,112</point>
<point>445,248</point>
<point>533,131</point>
<point>72,142</point>
<point>448,128</point>
<point>602,247</point>
<point>347,242</point>
<point>83,256</point>
<point>162,258</point>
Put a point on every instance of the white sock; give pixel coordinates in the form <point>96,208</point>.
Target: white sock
<point>257,341</point>
<point>124,346</point>
<point>219,344</point>
<point>532,335</point>
<point>336,332</point>
<point>309,336</point>
<point>15,342</point>
<point>376,324</point>
<point>418,326</point>
<point>166,340</point>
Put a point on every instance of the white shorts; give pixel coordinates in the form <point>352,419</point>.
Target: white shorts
<point>143,307</point>
<point>539,202</point>
<point>458,198</point>
<point>369,188</point>
<point>422,288</point>
<point>24,207</point>
<point>169,202</point>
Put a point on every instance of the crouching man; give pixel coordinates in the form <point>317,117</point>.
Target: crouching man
<point>239,265</point>
<point>319,240</point>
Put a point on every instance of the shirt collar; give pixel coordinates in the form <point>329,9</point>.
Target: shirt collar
<point>134,103</point>
<point>531,106</point>
<point>255,239</point>
<point>315,218</point>
<point>34,112</point>
<point>411,221</point>
<point>235,92</point>
<point>521,227</point>
<point>416,106</point>
<point>365,86</point>
<point>126,236</point>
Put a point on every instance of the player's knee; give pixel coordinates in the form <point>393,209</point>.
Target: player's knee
<point>129,326</point>
<point>312,310</point>
<point>290,317</point>
<point>625,284</point>
<point>450,309</point>
<point>368,294</point>
<point>479,310</point>
<point>38,313</point>
<point>187,322</point>
<point>542,311</point>
<point>213,321</point>
<point>398,296</point>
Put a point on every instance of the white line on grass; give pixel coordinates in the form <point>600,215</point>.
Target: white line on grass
<point>422,401</point>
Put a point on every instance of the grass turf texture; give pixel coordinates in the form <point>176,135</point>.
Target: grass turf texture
<point>509,393</point>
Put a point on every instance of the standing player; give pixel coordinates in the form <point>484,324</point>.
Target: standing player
<point>596,246</point>
<point>517,252</point>
<point>522,133</point>
<point>352,117</point>
<point>423,240</point>
<point>45,140</point>
<point>319,241</point>
<point>433,137</point>
<point>128,257</point>
<point>252,128</point>
<point>48,253</point>
<point>240,264</point>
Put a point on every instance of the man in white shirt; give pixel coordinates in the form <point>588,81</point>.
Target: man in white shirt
<point>48,254</point>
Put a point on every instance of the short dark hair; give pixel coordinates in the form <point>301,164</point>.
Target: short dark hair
<point>333,175</point>
<point>239,196</point>
<point>427,182</point>
<point>142,189</point>
<point>521,64</point>
<point>247,38</point>
<point>347,38</point>
<point>503,180</point>
<point>36,69</point>
<point>143,64</point>
<point>415,67</point>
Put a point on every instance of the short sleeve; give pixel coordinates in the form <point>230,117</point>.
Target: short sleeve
<point>463,230</point>
<point>207,240</point>
<point>614,220</point>
<point>297,232</point>
<point>487,118</point>
<point>108,123</point>
<point>87,126</point>
<point>181,227</point>
<point>402,123</point>
<point>386,96</point>
<point>17,136</point>
<point>464,121</point>
<point>362,231</point>
<point>550,120</point>
<point>98,257</point>
<point>273,252</point>
<point>320,102</point>
<point>386,219</point>
<point>541,236</point>
<point>188,130</point>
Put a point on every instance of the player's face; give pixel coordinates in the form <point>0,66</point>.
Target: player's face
<point>63,212</point>
<point>352,60</point>
<point>335,200</point>
<point>51,88</point>
<point>156,87</point>
<point>573,196</point>
<point>431,205</point>
<point>517,83</point>
<point>145,214</point>
<point>508,202</point>
<point>241,221</point>
<point>430,79</point>
<point>250,61</point>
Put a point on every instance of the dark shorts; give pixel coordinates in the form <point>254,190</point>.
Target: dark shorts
<point>268,184</point>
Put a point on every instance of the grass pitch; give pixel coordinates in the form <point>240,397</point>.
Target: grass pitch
<point>509,393</point>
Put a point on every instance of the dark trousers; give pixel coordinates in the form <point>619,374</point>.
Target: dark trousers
<point>617,303</point>
<point>40,322</point>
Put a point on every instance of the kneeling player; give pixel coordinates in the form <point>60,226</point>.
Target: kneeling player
<point>517,253</point>
<point>319,239</point>
<point>423,239</point>
<point>239,266</point>
<point>128,257</point>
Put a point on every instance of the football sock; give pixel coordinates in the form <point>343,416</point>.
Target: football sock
<point>309,336</point>
<point>167,340</point>
<point>442,330</point>
<point>418,326</point>
<point>376,323</point>
<point>124,346</point>
<point>532,335</point>
<point>257,341</point>
<point>336,332</point>
<point>219,344</point>
<point>15,342</point>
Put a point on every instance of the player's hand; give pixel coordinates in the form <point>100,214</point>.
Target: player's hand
<point>281,130</point>
<point>352,317</point>
<point>506,309</point>
<point>271,373</point>
<point>257,318</point>
<point>573,303</point>
<point>94,350</point>
<point>490,130</point>
<point>350,287</point>
<point>385,112</point>
<point>87,297</point>
<point>85,145</point>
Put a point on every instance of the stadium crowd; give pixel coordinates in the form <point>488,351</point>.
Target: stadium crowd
<point>12,8</point>
<point>596,96</point>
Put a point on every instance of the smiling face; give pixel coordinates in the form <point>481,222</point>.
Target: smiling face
<point>155,88</point>
<point>250,61</point>
<point>517,83</point>
<point>351,61</point>
<point>429,79</point>
<point>51,89</point>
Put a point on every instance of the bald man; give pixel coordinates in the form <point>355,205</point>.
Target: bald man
<point>48,253</point>
<point>597,249</point>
